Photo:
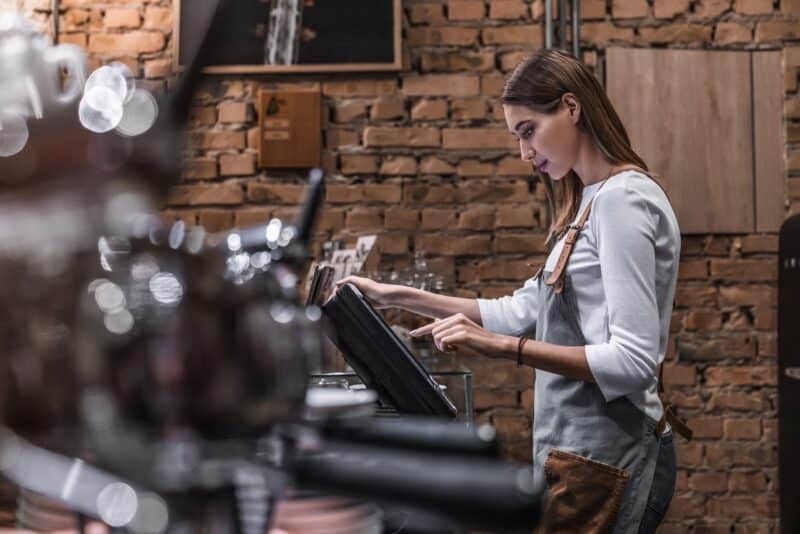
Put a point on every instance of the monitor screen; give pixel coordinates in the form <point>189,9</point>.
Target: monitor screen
<point>380,358</point>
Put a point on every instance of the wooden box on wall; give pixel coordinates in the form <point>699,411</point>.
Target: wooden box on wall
<point>710,123</point>
<point>289,128</point>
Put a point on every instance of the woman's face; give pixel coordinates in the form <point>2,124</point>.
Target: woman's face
<point>549,141</point>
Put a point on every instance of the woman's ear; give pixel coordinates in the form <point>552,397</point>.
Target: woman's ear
<point>573,107</point>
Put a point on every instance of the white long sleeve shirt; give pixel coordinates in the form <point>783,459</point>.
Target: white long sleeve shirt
<point>624,270</point>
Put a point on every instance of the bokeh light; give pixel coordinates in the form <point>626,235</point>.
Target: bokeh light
<point>13,133</point>
<point>100,110</point>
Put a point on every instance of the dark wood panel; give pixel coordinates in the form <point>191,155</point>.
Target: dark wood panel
<point>290,128</point>
<point>770,177</point>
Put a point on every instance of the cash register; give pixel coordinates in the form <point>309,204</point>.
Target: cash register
<point>377,355</point>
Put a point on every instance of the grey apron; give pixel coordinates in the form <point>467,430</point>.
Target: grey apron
<point>597,458</point>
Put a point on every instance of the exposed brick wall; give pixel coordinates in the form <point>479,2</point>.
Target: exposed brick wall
<point>421,157</point>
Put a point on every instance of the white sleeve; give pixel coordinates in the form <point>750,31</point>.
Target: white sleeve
<point>624,229</point>
<point>513,315</point>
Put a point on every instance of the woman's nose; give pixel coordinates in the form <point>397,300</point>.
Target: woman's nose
<point>526,152</point>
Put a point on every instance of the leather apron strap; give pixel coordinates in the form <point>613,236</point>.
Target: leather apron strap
<point>556,280</point>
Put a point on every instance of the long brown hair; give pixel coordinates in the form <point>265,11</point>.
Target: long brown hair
<point>539,82</point>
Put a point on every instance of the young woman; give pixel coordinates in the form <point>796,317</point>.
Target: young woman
<point>600,307</point>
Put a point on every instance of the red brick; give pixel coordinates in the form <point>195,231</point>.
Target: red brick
<point>759,243</point>
<point>441,85</point>
<point>251,216</point>
<point>330,220</point>
<point>158,18</point>
<point>736,270</point>
<point>486,398</point>
<point>235,112</point>
<point>268,193</point>
<point>513,425</point>
<point>679,375</point>
<point>708,482</point>
<point>473,167</point>
<point>468,109</point>
<point>442,36</point>
<point>426,13</point>
<point>203,115</point>
<point>425,194</point>
<point>338,137</point>
<point>693,270</point>
<point>466,10</point>
<point>199,168</point>
<point>218,140</point>
<point>477,218</point>
<point>508,9</point>
<point>513,166</point>
<point>364,219</point>
<point>732,33</point>
<point>706,427</point>
<point>158,68</point>
<point>686,506</point>
<point>138,42</point>
<point>398,165</point>
<point>358,164</point>
<point>122,18</point>
<point>492,84</point>
<point>485,191</point>
<point>415,137</point>
<point>354,88</point>
<point>735,400</point>
<point>457,61</point>
<point>501,374</point>
<point>434,165</point>
<point>216,220</point>
<point>525,243</point>
<point>677,33</point>
<point>343,194</point>
<point>438,218</point>
<point>427,110</point>
<point>712,8</point>
<point>746,429</point>
<point>528,35</point>
<point>237,164</point>
<point>749,295</point>
<point>505,270</point>
<point>196,195</point>
<point>382,193</point>
<point>462,245</point>
<point>349,110</point>
<point>477,138</point>
<point>718,348</point>
<point>396,218</point>
<point>603,33</point>
<point>78,39</point>
<point>754,7</point>
<point>703,320</point>
<point>388,108</point>
<point>695,296</point>
<point>393,244</point>
<point>747,482</point>
<point>741,375</point>
<point>629,9</point>
<point>516,216</point>
<point>777,31</point>
<point>667,9</point>
<point>690,454</point>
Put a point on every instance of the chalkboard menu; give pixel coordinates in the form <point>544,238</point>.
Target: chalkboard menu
<point>293,35</point>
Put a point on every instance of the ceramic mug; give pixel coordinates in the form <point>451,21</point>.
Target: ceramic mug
<point>31,77</point>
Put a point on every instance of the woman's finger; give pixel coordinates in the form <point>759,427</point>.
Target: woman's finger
<point>425,330</point>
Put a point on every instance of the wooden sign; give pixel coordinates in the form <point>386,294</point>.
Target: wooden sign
<point>290,128</point>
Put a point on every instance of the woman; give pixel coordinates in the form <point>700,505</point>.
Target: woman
<point>600,307</point>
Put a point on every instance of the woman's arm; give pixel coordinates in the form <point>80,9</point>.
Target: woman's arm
<point>460,334</point>
<point>414,300</point>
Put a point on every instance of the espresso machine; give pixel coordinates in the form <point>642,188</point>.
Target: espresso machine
<point>154,377</point>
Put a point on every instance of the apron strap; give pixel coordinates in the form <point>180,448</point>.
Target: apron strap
<point>556,278</point>
<point>669,416</point>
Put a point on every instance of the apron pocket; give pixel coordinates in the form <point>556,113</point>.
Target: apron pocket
<point>584,495</point>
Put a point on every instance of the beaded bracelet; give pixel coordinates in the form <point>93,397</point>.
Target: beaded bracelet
<point>521,344</point>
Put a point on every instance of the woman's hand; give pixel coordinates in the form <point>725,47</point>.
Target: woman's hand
<point>379,295</point>
<point>462,336</point>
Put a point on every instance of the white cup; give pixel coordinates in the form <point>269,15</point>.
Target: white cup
<point>30,77</point>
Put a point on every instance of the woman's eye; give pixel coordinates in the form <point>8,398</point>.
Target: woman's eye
<point>526,133</point>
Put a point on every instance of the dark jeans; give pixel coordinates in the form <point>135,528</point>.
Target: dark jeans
<point>663,486</point>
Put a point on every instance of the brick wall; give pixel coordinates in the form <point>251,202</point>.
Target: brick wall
<point>421,157</point>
